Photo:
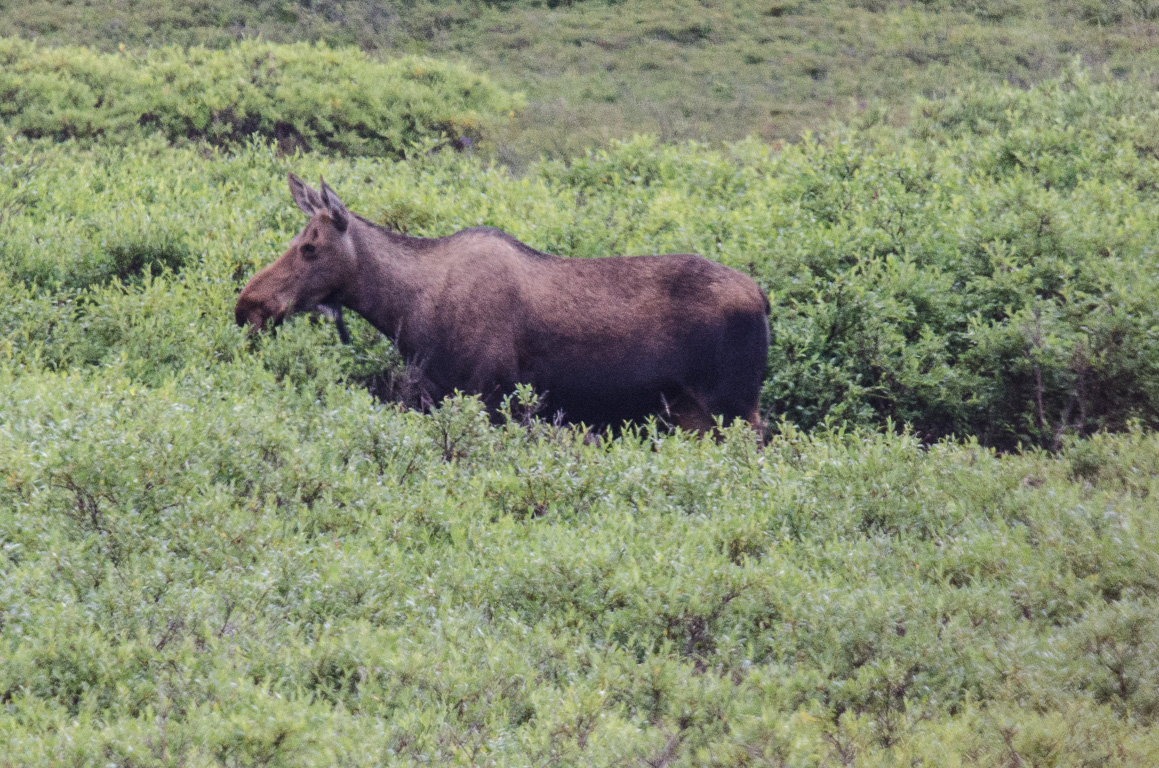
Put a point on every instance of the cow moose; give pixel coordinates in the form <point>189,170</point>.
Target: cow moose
<point>602,340</point>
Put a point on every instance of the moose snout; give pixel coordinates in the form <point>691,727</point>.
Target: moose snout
<point>255,313</point>
<point>247,311</point>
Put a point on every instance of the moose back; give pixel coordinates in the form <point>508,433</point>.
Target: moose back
<point>601,340</point>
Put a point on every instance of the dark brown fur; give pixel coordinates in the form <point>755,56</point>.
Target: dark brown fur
<point>602,340</point>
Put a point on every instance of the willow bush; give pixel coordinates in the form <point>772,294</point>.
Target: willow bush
<point>221,549</point>
<point>989,271</point>
<point>337,100</point>
<point>226,570</point>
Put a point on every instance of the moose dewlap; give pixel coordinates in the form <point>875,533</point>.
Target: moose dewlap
<point>601,340</point>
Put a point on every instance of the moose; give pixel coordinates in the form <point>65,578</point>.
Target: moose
<point>601,340</point>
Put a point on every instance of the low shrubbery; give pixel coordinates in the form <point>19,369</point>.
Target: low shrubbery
<point>229,571</point>
<point>992,272</point>
<point>598,69</point>
<point>219,549</point>
<point>304,96</point>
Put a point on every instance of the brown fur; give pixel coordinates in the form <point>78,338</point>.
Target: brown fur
<point>602,340</point>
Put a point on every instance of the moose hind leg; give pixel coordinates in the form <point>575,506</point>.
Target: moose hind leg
<point>731,406</point>
<point>688,412</point>
<point>735,391</point>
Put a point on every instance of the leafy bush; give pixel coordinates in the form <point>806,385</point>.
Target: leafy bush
<point>303,96</point>
<point>220,549</point>
<point>990,271</point>
<point>228,569</point>
<point>683,69</point>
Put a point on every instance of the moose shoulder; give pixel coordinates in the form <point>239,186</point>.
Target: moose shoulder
<point>602,340</point>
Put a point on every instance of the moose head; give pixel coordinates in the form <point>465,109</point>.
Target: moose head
<point>314,272</point>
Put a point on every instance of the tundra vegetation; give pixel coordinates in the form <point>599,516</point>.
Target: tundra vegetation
<point>681,69</point>
<point>304,96</point>
<point>225,549</point>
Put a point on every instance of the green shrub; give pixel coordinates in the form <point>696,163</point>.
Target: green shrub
<point>988,271</point>
<point>227,568</point>
<point>303,96</point>
<point>220,549</point>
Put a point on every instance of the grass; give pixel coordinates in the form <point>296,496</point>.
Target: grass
<point>678,69</point>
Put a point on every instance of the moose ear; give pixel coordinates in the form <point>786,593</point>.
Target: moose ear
<point>338,213</point>
<point>307,199</point>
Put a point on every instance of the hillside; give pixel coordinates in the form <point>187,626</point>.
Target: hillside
<point>680,69</point>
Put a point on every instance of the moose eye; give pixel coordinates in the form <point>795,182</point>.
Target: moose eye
<point>308,251</point>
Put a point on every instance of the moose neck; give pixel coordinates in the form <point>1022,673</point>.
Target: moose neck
<point>391,278</point>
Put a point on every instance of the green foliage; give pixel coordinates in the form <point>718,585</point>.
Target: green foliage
<point>227,570</point>
<point>304,96</point>
<point>988,272</point>
<point>220,549</point>
<point>681,69</point>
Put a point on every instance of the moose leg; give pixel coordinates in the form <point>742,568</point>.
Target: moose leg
<point>687,411</point>
<point>756,421</point>
<point>700,413</point>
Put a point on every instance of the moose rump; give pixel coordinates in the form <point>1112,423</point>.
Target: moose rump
<point>601,340</point>
<point>615,339</point>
